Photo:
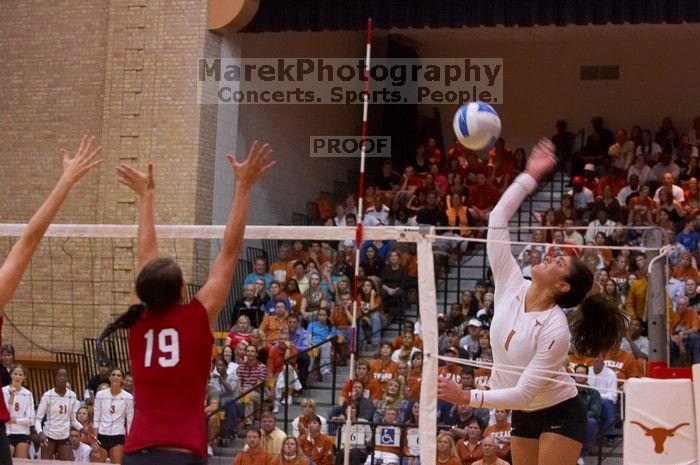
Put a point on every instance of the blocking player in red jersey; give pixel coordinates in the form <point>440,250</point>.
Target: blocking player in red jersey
<point>170,340</point>
<point>18,259</point>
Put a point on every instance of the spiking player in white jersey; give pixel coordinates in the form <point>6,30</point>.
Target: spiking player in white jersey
<point>114,411</point>
<point>59,405</point>
<point>530,330</point>
<point>20,404</point>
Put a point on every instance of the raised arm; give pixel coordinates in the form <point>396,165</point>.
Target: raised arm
<point>505,269</point>
<point>144,186</point>
<point>213,294</point>
<point>18,259</point>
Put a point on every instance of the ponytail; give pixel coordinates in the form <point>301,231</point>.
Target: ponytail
<point>598,325</point>
<point>124,321</point>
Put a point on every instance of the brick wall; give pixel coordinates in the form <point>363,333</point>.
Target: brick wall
<point>124,71</point>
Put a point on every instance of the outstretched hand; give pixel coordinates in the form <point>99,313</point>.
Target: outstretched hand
<point>254,166</point>
<point>84,160</point>
<point>542,159</point>
<point>137,181</point>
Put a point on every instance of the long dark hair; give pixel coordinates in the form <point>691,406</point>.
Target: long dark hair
<point>580,280</point>
<point>597,325</point>
<point>158,286</point>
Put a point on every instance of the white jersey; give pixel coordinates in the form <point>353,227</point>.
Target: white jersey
<point>113,414</point>
<point>21,408</point>
<point>60,414</point>
<point>82,453</point>
<point>535,341</point>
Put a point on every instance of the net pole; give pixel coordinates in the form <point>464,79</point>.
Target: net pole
<point>656,299</point>
<point>427,306</point>
<point>358,243</point>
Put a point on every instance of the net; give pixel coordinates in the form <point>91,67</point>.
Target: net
<point>82,276</point>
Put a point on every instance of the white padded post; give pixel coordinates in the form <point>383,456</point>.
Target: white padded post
<point>660,426</point>
<point>696,392</point>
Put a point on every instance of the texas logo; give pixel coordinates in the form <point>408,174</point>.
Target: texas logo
<point>659,435</point>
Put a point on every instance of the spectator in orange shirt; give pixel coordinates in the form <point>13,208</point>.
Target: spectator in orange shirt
<point>369,303</point>
<point>341,317</point>
<point>383,369</point>
<point>470,450</point>
<point>490,449</point>
<point>499,150</point>
<point>636,296</point>
<point>450,368</point>
<point>273,324</point>
<point>398,340</point>
<point>291,453</point>
<point>409,260</point>
<point>684,326</point>
<point>281,270</point>
<point>473,168</point>
<point>316,254</point>
<point>454,372</point>
<point>298,252</point>
<point>685,269</point>
<point>575,359</point>
<point>483,196</point>
<point>561,247</point>
<point>502,166</point>
<point>373,390</point>
<point>446,450</point>
<point>317,446</point>
<point>291,291</point>
<point>284,384</point>
<point>362,406</point>
<point>254,454</point>
<point>300,425</point>
<point>622,363</point>
<point>500,431</point>
<point>414,377</point>
<point>641,209</point>
<point>457,151</point>
<point>410,181</point>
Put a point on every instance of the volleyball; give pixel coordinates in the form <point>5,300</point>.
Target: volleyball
<point>477,125</point>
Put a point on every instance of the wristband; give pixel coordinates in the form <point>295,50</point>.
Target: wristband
<point>476,397</point>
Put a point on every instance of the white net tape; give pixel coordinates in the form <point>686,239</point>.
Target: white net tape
<point>515,369</point>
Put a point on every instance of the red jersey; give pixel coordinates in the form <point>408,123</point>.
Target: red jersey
<point>237,337</point>
<point>275,359</point>
<point>483,197</point>
<point>4,414</point>
<point>170,358</point>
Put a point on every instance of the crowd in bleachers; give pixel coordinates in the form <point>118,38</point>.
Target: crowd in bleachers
<point>300,307</point>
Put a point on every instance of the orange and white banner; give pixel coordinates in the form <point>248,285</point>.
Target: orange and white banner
<point>660,425</point>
